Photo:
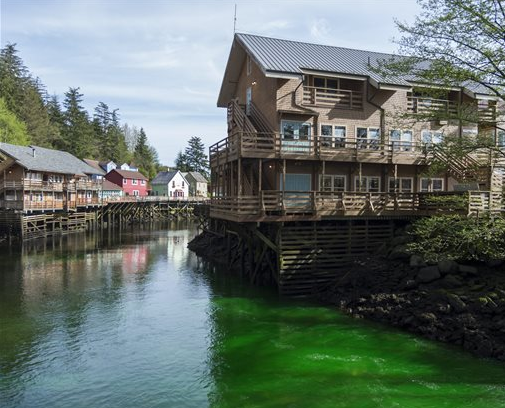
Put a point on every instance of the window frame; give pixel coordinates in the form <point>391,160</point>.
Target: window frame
<point>333,177</point>
<point>429,189</point>
<point>334,141</point>
<point>135,182</point>
<point>367,179</point>
<point>368,142</point>
<point>400,144</point>
<point>399,189</point>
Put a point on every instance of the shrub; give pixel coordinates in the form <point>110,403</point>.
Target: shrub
<point>458,238</point>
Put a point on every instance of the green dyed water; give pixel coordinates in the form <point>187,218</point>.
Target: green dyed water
<point>141,322</point>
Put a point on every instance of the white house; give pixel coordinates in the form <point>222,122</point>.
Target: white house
<point>170,184</point>
<point>126,166</point>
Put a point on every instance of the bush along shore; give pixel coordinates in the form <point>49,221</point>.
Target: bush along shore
<point>459,300</point>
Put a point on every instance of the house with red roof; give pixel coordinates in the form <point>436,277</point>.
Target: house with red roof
<point>133,183</point>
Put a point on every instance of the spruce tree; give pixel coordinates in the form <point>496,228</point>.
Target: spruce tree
<point>78,135</point>
<point>12,130</point>
<point>195,158</point>
<point>143,156</point>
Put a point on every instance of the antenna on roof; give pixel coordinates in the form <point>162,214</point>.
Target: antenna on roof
<point>235,19</point>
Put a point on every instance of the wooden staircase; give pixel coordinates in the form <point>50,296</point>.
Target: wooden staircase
<point>463,168</point>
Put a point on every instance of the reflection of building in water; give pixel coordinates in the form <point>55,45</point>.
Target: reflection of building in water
<point>134,259</point>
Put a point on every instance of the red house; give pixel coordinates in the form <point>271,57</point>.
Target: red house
<point>132,182</point>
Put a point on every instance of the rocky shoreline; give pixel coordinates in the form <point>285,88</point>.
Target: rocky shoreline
<point>457,304</point>
<point>449,302</point>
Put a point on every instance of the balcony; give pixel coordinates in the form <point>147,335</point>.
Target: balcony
<point>275,145</point>
<point>316,205</point>
<point>332,98</point>
<point>85,201</point>
<point>34,185</point>
<point>431,106</point>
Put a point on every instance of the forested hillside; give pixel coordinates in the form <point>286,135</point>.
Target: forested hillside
<point>29,115</point>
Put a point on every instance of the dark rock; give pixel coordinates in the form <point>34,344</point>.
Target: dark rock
<point>457,304</point>
<point>451,281</point>
<point>493,263</point>
<point>468,270</point>
<point>417,261</point>
<point>400,240</point>
<point>446,266</point>
<point>410,284</point>
<point>399,252</point>
<point>428,274</point>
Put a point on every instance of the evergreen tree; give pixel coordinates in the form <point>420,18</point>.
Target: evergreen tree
<point>181,162</point>
<point>56,120</point>
<point>12,130</point>
<point>143,156</point>
<point>78,135</point>
<point>194,157</point>
<point>13,78</point>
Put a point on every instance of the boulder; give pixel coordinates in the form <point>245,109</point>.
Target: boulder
<point>468,270</point>
<point>446,266</point>
<point>417,261</point>
<point>428,274</point>
<point>399,252</point>
<point>457,304</point>
<point>452,281</point>
<point>400,240</point>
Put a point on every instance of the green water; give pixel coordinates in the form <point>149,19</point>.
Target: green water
<point>141,322</point>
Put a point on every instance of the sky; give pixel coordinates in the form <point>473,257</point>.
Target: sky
<point>161,63</point>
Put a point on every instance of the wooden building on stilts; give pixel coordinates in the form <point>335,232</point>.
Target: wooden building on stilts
<point>320,162</point>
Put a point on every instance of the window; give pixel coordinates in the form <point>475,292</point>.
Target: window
<point>501,138</point>
<point>368,138</point>
<point>400,185</point>
<point>125,181</point>
<point>55,178</point>
<point>430,138</point>
<point>143,182</point>
<point>248,100</point>
<point>173,183</point>
<point>295,130</point>
<point>433,184</point>
<point>88,194</point>
<point>34,176</point>
<point>333,136</point>
<point>329,182</point>
<point>183,184</point>
<point>369,184</point>
<point>135,182</point>
<point>135,193</point>
<point>401,140</point>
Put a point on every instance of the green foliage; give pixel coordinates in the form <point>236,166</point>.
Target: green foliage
<point>144,157</point>
<point>450,202</point>
<point>27,114</point>
<point>12,130</point>
<point>458,238</point>
<point>193,158</point>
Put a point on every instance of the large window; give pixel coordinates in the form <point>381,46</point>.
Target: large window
<point>401,140</point>
<point>330,182</point>
<point>134,182</point>
<point>430,138</point>
<point>501,138</point>
<point>368,138</point>
<point>333,136</point>
<point>431,184</point>
<point>292,130</point>
<point>369,184</point>
<point>400,185</point>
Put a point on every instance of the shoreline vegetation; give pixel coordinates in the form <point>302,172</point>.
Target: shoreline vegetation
<point>445,297</point>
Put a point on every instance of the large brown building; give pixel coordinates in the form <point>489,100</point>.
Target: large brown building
<point>315,133</point>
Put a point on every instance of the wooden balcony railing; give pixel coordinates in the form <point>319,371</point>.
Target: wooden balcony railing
<point>429,106</point>
<point>277,145</point>
<point>334,98</point>
<point>88,185</point>
<point>31,185</point>
<point>87,201</point>
<point>275,204</point>
<point>43,205</point>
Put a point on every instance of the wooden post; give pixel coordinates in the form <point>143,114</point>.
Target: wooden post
<point>239,176</point>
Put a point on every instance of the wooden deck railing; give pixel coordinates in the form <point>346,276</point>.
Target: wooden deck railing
<point>334,98</point>
<point>31,185</point>
<point>320,204</point>
<point>278,145</point>
<point>426,105</point>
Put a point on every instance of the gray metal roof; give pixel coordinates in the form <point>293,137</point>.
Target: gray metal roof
<point>47,160</point>
<point>197,176</point>
<point>164,177</point>
<point>291,57</point>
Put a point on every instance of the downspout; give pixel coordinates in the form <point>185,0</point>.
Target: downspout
<point>369,99</point>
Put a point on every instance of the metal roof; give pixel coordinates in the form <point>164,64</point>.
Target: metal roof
<point>96,165</point>
<point>197,176</point>
<point>292,57</point>
<point>164,177</point>
<point>48,160</point>
<point>130,174</point>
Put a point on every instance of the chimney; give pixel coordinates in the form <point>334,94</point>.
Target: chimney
<point>33,151</point>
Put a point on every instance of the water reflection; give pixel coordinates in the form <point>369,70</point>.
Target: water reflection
<point>135,320</point>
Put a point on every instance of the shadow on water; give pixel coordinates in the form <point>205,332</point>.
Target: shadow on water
<point>134,319</point>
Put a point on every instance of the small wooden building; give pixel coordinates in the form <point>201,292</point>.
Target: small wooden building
<point>37,179</point>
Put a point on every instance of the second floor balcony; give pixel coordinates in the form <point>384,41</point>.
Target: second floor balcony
<point>332,98</point>
<point>276,145</point>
